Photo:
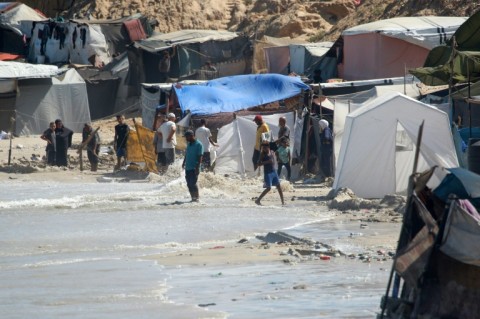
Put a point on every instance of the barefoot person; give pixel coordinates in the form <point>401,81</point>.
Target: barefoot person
<point>120,141</point>
<point>269,175</point>
<point>191,163</point>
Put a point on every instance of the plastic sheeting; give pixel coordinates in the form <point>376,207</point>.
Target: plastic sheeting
<point>236,93</point>
<point>426,32</point>
<point>16,70</point>
<point>462,231</point>
<point>41,101</point>
<point>237,140</point>
<point>378,146</point>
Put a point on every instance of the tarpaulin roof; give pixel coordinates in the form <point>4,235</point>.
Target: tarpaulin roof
<point>436,70</point>
<point>230,94</point>
<point>426,32</point>
<point>464,63</point>
<point>163,41</point>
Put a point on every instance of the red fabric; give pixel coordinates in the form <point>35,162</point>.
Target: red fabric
<point>8,56</point>
<point>135,30</point>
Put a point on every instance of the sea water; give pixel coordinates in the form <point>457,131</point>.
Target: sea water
<point>79,250</point>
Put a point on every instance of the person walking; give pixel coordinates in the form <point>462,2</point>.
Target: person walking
<point>191,164</point>
<point>262,128</point>
<point>169,139</point>
<point>270,177</point>
<point>122,130</point>
<point>63,138</point>
<point>49,136</point>
<point>93,146</point>
<point>204,135</point>
<point>158,145</point>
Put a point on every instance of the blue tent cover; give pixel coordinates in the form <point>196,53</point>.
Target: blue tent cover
<point>234,93</point>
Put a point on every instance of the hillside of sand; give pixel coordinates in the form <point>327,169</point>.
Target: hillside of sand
<point>312,20</point>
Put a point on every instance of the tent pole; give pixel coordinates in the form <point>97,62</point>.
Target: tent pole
<point>12,120</point>
<point>401,239</point>
<point>469,104</point>
<point>450,80</point>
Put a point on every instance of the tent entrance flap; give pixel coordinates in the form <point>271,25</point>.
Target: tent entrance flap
<point>404,155</point>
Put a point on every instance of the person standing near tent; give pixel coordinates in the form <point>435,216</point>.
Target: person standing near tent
<point>93,146</point>
<point>49,136</point>
<point>191,163</point>
<point>158,144</point>
<point>270,177</point>
<point>262,128</point>
<point>120,141</point>
<point>283,131</point>
<point>164,64</point>
<point>204,135</point>
<point>169,139</point>
<point>283,157</point>
<point>326,141</point>
<point>63,138</point>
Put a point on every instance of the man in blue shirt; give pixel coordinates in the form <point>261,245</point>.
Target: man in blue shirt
<point>191,163</point>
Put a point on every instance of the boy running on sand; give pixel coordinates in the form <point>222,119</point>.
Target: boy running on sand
<point>269,174</point>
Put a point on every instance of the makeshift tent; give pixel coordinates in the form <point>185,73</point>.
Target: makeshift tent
<point>377,151</point>
<point>10,73</point>
<point>237,140</point>
<point>16,20</point>
<point>436,271</point>
<point>84,41</point>
<point>38,101</point>
<point>235,93</point>
<point>260,55</point>
<point>349,87</point>
<point>386,48</point>
<point>437,68</point>
<point>229,52</point>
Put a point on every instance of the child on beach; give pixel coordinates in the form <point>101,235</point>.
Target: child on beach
<point>269,174</point>
<point>283,157</point>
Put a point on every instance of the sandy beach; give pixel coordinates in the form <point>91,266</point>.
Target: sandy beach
<point>353,231</point>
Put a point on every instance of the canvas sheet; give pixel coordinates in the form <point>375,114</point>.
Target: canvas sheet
<point>237,140</point>
<point>41,101</point>
<point>277,59</point>
<point>426,32</point>
<point>236,93</point>
<point>140,147</point>
<point>378,146</point>
<point>462,233</point>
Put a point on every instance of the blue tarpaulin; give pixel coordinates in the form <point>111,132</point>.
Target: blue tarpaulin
<point>234,93</point>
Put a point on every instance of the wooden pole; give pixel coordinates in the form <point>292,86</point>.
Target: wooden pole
<point>84,144</point>
<point>12,120</point>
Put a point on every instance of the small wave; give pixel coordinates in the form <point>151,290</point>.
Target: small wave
<point>60,262</point>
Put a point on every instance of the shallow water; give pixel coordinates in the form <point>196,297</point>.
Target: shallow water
<point>76,250</point>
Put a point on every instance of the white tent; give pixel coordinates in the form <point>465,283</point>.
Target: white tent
<point>41,101</point>
<point>345,104</point>
<point>378,147</point>
<point>237,141</point>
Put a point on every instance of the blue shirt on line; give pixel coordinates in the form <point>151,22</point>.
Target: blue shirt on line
<point>193,153</point>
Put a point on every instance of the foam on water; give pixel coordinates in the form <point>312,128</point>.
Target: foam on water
<point>77,251</point>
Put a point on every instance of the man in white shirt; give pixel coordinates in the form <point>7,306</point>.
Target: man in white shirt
<point>169,139</point>
<point>204,135</point>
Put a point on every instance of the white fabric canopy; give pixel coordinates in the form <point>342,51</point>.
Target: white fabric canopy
<point>378,146</point>
<point>237,141</point>
<point>427,32</point>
